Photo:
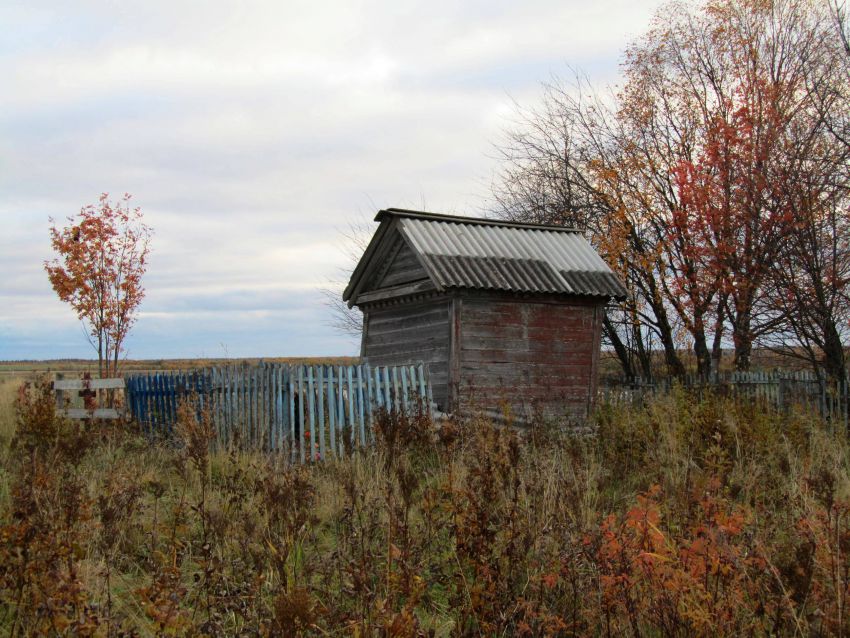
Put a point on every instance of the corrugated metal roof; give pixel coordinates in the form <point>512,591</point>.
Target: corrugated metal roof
<point>461,253</point>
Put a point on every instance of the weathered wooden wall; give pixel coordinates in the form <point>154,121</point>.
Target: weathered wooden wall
<point>401,267</point>
<point>520,357</point>
<point>407,333</point>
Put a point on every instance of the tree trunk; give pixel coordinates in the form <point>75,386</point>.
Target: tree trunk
<point>743,341</point>
<point>620,348</point>
<point>702,355</point>
<point>717,343</point>
<point>674,364</point>
<point>644,356</point>
<point>833,353</point>
<point>701,352</point>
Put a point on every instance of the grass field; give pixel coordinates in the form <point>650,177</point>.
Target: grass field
<point>683,517</point>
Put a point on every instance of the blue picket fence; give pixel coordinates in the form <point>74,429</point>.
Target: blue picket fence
<point>308,411</point>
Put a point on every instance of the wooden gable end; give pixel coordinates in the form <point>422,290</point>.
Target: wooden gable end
<point>398,267</point>
<point>402,268</point>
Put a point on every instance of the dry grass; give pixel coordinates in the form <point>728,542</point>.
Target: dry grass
<point>8,389</point>
<point>682,518</point>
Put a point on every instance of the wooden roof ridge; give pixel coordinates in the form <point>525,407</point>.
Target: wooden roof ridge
<point>460,219</point>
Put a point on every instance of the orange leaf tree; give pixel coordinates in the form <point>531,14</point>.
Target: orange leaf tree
<point>101,256</point>
<point>688,179</point>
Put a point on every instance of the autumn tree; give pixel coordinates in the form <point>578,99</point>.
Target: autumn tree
<point>558,167</point>
<point>716,98</point>
<point>101,256</point>
<point>735,216</point>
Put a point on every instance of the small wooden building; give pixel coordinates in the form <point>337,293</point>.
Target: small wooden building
<point>507,316</point>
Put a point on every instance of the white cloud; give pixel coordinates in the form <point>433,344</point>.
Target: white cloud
<point>250,133</point>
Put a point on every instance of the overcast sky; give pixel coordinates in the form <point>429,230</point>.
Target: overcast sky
<point>252,134</point>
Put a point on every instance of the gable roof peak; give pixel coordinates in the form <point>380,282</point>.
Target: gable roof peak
<point>389,213</point>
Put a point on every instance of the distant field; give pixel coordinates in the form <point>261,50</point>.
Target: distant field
<point>24,368</point>
<point>609,366</point>
<point>761,359</point>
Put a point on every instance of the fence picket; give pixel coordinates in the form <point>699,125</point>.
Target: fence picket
<point>349,397</point>
<point>146,383</point>
<point>420,372</point>
<point>254,408</point>
<point>379,393</point>
<point>163,401</point>
<point>278,407</point>
<point>301,412</point>
<point>258,401</point>
<point>291,404</point>
<point>330,398</point>
<point>396,393</point>
<point>370,403</point>
<point>311,410</point>
<point>404,385</point>
<point>387,389</point>
<point>266,396</point>
<point>360,407</point>
<point>340,411</point>
<point>428,390</point>
<point>320,401</point>
<point>242,406</point>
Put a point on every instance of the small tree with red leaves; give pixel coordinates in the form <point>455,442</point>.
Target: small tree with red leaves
<point>101,257</point>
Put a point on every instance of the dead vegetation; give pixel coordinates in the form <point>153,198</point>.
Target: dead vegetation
<point>679,518</point>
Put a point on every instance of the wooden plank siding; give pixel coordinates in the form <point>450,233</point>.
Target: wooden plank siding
<point>517,359</point>
<point>400,334</point>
